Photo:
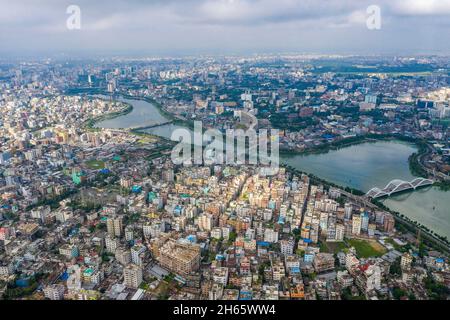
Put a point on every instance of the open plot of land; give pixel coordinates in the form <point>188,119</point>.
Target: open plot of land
<point>332,247</point>
<point>147,139</point>
<point>367,248</point>
<point>95,164</point>
<point>162,291</point>
<point>393,243</point>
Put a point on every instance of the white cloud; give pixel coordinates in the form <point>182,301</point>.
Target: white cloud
<point>223,24</point>
<point>421,7</point>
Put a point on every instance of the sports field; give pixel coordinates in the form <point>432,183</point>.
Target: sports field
<point>95,164</point>
<point>367,248</point>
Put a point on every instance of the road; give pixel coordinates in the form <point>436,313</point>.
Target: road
<point>423,158</point>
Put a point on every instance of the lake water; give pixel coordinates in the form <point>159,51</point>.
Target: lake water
<point>429,206</point>
<point>143,114</point>
<point>369,165</point>
<point>362,166</point>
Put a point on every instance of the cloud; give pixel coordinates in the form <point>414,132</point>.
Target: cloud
<point>224,25</point>
<point>421,7</point>
<point>265,11</point>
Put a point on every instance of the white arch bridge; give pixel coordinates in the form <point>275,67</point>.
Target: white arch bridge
<point>396,186</point>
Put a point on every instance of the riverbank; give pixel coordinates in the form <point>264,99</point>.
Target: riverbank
<point>428,236</point>
<point>416,167</point>
<point>173,119</point>
<point>404,224</point>
<point>340,145</point>
<point>90,124</point>
<point>345,143</point>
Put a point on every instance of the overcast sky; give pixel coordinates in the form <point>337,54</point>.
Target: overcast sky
<point>154,27</point>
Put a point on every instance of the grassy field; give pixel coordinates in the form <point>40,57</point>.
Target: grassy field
<point>366,248</point>
<point>95,164</point>
<point>332,247</point>
<point>147,139</point>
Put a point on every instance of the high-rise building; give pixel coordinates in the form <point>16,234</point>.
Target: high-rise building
<point>69,251</point>
<point>123,256</point>
<point>323,222</point>
<point>168,175</point>
<point>348,211</point>
<point>340,232</point>
<point>137,253</point>
<point>388,223</point>
<point>270,235</point>
<point>112,85</point>
<point>356,224</point>
<point>369,279</point>
<point>370,98</point>
<point>111,244</point>
<point>114,225</point>
<point>206,222</point>
<point>129,233</point>
<point>4,157</point>
<point>287,246</point>
<point>220,275</point>
<point>182,258</point>
<point>54,292</point>
<point>364,221</point>
<point>132,276</point>
<point>406,260</point>
<point>323,262</point>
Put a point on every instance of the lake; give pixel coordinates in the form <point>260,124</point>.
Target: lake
<point>362,167</point>
<point>369,165</point>
<point>143,114</point>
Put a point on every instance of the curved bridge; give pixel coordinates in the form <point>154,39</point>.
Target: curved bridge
<point>398,186</point>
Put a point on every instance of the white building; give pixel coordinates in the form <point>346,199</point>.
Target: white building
<point>137,253</point>
<point>287,246</point>
<point>111,244</point>
<point>220,275</point>
<point>270,236</point>
<point>373,278</point>
<point>340,232</point>
<point>54,292</point>
<point>356,225</point>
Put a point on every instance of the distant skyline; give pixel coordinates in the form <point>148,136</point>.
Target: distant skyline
<point>183,27</point>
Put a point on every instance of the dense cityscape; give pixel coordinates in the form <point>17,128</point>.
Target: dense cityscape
<point>93,208</point>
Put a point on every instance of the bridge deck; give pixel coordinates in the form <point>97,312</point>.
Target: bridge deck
<point>396,186</point>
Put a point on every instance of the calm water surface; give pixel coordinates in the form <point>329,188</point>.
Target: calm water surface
<point>371,165</point>
<point>361,166</point>
<point>143,114</point>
